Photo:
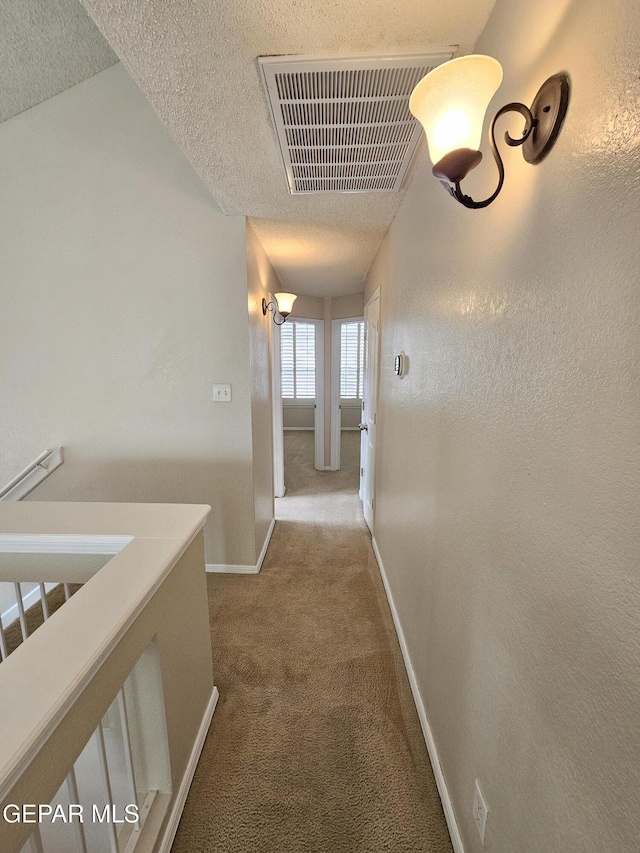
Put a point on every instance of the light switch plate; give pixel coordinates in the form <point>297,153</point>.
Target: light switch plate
<point>222,393</point>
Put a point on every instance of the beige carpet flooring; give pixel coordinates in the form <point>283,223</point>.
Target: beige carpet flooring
<point>315,746</point>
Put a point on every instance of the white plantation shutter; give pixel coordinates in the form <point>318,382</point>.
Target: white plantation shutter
<point>298,360</point>
<point>351,359</point>
<point>287,360</point>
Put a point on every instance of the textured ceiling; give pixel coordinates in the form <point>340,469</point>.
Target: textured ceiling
<point>196,62</point>
<point>46,47</point>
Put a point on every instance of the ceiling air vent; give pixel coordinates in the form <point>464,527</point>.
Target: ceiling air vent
<point>344,125</point>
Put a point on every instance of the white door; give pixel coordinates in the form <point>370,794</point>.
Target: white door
<point>369,408</point>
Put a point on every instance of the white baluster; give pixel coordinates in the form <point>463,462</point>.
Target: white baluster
<point>45,604</point>
<point>128,754</point>
<point>106,779</point>
<point>72,790</point>
<point>20,603</point>
<point>36,841</point>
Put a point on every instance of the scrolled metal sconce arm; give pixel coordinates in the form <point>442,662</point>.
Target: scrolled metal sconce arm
<point>456,192</point>
<point>271,306</point>
<point>542,126</point>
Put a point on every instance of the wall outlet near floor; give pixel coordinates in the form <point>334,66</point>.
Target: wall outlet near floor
<point>222,393</point>
<point>480,811</point>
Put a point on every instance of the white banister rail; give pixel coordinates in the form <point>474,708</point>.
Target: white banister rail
<point>69,687</point>
<point>32,475</point>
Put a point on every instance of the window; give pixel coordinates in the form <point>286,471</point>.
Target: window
<point>298,360</point>
<point>351,359</point>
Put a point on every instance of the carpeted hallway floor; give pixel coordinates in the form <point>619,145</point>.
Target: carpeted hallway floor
<point>315,746</point>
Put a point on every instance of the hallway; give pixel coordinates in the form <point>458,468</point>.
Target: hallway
<point>301,478</point>
<point>315,744</point>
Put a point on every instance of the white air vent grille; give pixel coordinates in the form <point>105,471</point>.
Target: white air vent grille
<point>344,125</point>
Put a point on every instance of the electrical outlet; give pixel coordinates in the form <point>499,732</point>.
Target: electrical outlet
<point>480,811</point>
<point>222,393</point>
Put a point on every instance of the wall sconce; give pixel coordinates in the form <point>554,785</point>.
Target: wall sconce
<point>450,103</point>
<point>282,306</point>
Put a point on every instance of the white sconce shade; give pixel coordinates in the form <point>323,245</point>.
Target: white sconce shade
<point>280,308</point>
<point>285,302</point>
<point>451,101</point>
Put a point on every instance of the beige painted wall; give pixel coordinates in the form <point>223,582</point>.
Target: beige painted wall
<point>350,413</point>
<point>297,417</point>
<point>262,281</point>
<point>343,307</point>
<point>309,307</point>
<point>124,297</point>
<point>507,467</point>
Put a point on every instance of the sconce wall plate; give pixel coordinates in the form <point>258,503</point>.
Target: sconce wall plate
<point>548,109</point>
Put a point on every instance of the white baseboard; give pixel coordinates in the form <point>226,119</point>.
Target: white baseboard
<point>183,790</point>
<point>447,805</point>
<point>245,570</point>
<point>221,568</point>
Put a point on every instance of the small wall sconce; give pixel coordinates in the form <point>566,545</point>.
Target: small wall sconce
<point>451,101</point>
<point>282,306</point>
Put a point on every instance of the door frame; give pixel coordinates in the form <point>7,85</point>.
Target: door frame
<point>276,414</point>
<point>336,412</point>
<point>374,388</point>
